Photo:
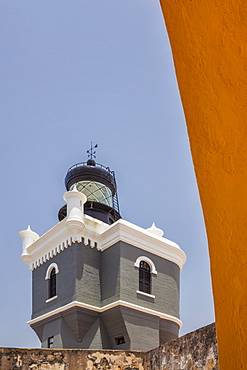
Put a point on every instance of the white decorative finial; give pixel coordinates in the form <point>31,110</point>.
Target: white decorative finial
<point>155,230</point>
<point>75,209</point>
<point>28,238</point>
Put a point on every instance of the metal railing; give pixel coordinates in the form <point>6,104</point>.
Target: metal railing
<point>96,165</point>
<point>115,204</point>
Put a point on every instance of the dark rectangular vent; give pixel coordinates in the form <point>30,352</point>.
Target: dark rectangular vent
<point>119,340</point>
<point>50,342</point>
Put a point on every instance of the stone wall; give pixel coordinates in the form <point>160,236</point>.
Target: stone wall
<point>194,351</point>
<point>49,359</point>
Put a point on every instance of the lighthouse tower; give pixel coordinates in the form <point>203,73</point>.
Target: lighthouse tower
<point>98,281</point>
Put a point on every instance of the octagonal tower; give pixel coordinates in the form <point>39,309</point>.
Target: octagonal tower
<point>98,281</point>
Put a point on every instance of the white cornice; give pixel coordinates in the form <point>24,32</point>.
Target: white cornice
<point>98,234</point>
<point>141,238</point>
<point>104,308</point>
<point>59,238</point>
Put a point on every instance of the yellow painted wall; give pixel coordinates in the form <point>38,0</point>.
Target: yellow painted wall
<point>208,40</point>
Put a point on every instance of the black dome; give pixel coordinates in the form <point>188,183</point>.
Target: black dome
<point>95,172</point>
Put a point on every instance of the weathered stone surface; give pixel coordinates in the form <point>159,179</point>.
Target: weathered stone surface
<point>196,350</point>
<point>49,359</point>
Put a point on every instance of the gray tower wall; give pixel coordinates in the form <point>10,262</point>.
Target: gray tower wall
<point>120,279</point>
<point>88,261</point>
<point>98,279</point>
<point>66,277</point>
<point>143,329</point>
<point>110,275</point>
<point>78,279</point>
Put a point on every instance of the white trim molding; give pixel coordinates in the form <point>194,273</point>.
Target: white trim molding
<point>149,262</point>
<point>146,294</point>
<point>57,239</point>
<point>51,299</point>
<point>48,271</point>
<point>101,236</point>
<point>104,308</point>
<point>137,236</point>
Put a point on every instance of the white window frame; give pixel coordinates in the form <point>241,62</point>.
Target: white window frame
<point>146,294</point>
<point>152,271</point>
<point>149,261</point>
<point>48,271</point>
<point>47,277</point>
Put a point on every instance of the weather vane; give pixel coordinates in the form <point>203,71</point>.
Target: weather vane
<point>91,152</point>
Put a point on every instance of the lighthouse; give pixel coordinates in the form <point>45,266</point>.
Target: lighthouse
<point>99,281</point>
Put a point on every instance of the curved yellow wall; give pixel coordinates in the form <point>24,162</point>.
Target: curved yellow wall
<point>208,40</point>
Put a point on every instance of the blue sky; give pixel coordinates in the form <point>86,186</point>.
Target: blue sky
<point>73,72</point>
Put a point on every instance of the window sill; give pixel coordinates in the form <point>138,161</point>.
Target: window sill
<point>146,294</point>
<point>51,299</point>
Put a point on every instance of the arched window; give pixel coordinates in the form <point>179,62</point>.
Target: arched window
<point>51,276</point>
<point>149,262</point>
<point>52,283</point>
<point>144,277</point>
